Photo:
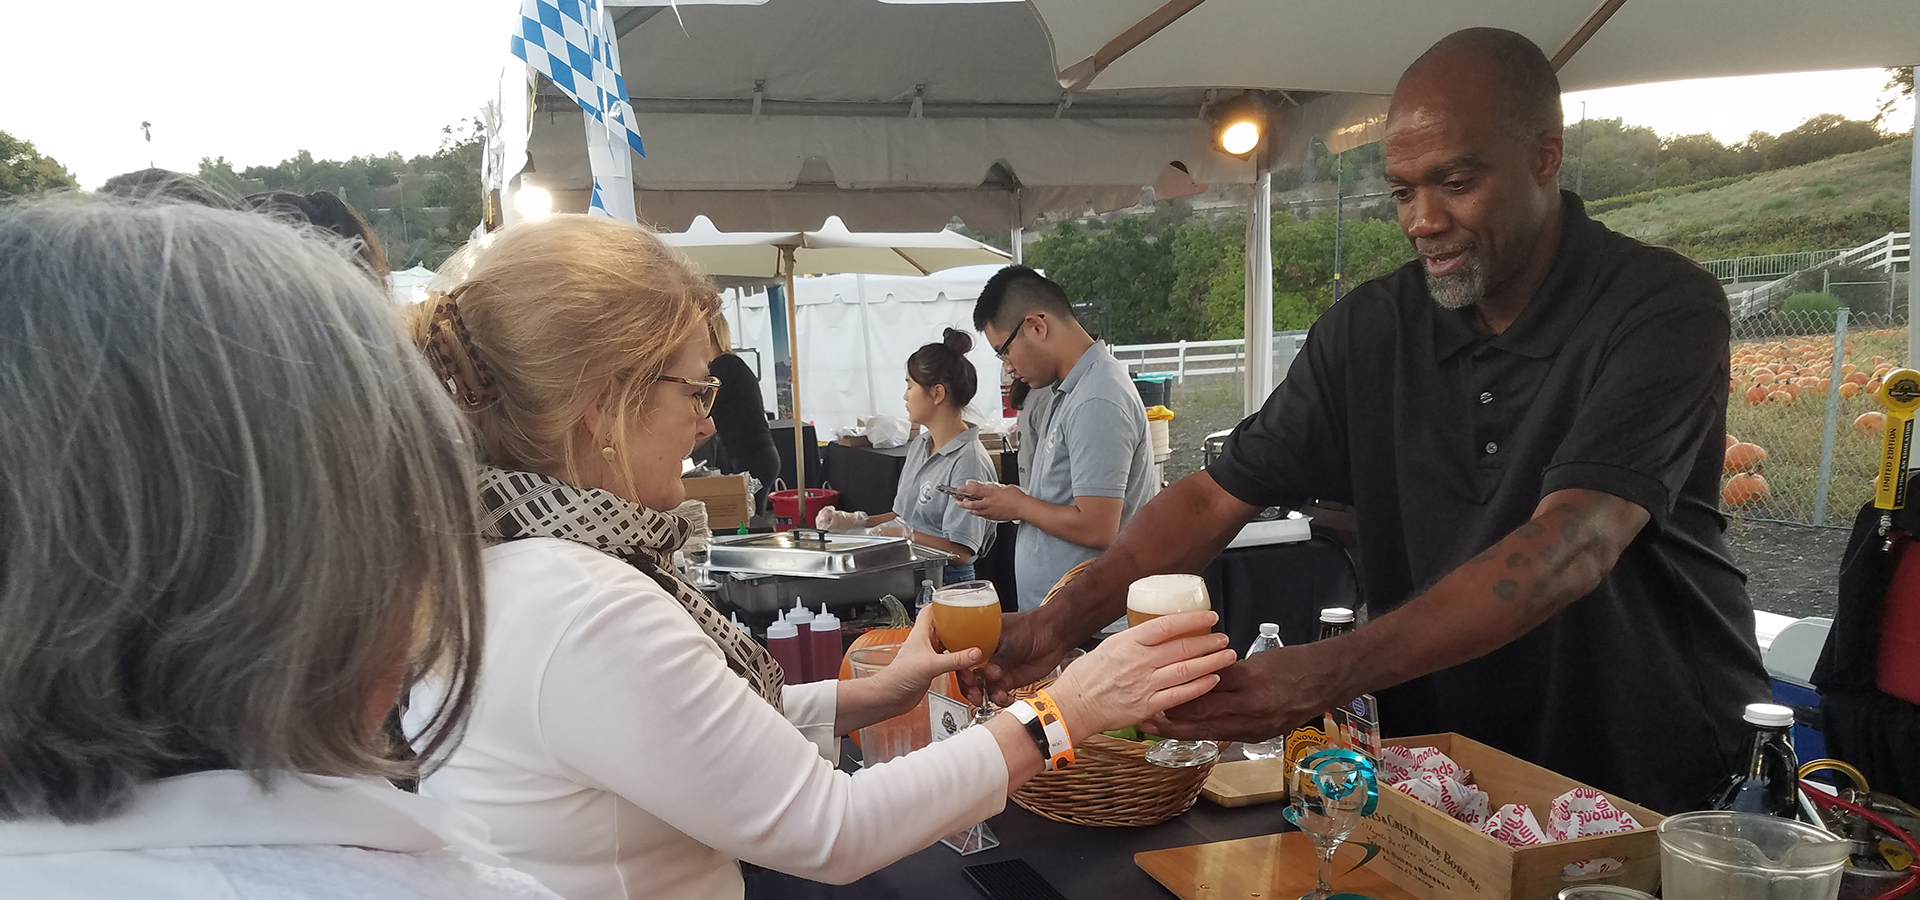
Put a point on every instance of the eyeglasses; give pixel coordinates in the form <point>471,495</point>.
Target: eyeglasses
<point>709,391</point>
<point>1001,351</point>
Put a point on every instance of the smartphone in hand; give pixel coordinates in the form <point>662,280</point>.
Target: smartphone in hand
<point>955,492</point>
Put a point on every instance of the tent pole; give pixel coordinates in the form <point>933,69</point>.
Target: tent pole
<point>1913,231</point>
<point>793,378</point>
<point>1019,253</point>
<point>1257,380</point>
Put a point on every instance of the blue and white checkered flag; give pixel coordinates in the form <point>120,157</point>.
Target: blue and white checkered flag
<point>567,41</point>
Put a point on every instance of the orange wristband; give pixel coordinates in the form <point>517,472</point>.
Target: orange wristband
<point>1059,742</point>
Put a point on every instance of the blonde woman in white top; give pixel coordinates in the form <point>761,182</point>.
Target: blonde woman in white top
<point>628,742</point>
<point>232,486</point>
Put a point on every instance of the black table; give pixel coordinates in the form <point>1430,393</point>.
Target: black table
<point>1080,862</point>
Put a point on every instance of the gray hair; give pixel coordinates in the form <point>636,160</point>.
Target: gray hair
<point>235,508</point>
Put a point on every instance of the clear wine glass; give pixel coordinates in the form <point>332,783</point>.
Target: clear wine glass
<point>1163,595</point>
<point>968,615</point>
<point>1327,799</point>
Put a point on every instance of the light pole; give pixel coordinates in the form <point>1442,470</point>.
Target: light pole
<point>1339,204</point>
<point>1580,169</point>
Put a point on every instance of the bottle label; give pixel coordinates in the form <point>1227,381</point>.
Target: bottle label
<point>1303,742</point>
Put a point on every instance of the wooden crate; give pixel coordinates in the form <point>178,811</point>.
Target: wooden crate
<point>1432,855</point>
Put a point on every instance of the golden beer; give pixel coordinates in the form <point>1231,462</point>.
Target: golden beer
<point>968,616</point>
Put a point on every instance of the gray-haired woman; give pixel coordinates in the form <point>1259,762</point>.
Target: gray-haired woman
<point>234,521</point>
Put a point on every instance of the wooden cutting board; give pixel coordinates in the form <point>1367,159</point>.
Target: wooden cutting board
<point>1269,867</point>
<point>1247,782</point>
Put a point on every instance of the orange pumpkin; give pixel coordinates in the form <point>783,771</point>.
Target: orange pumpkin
<point>1870,424</point>
<point>1872,387</point>
<point>1731,440</point>
<point>872,637</point>
<point>1856,377</point>
<point>1780,397</point>
<point>1744,457</point>
<point>1744,490</point>
<point>1756,395</point>
<point>1848,389</point>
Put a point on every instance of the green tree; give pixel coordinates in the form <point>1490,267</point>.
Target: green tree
<point>1824,135</point>
<point>1900,82</point>
<point>24,171</point>
<point>1303,262</point>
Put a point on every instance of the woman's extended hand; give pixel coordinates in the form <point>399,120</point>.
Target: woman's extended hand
<point>919,662</point>
<point>1140,672</point>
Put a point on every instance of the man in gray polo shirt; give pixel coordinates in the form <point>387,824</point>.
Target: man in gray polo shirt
<point>1092,464</point>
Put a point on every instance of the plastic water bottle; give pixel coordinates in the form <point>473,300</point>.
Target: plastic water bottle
<point>1275,747</point>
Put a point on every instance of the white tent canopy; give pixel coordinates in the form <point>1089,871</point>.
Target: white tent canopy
<point>1362,45</point>
<point>893,116</point>
<point>853,360</point>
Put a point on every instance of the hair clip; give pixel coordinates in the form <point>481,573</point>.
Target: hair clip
<point>450,349</point>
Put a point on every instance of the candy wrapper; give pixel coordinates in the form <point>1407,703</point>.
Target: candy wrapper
<point>1515,826</point>
<point>1581,812</point>
<point>1584,812</point>
<point>1463,802</point>
<point>1401,763</point>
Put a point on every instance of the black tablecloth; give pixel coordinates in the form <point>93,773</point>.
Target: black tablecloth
<point>1286,584</point>
<point>1081,862</point>
<point>865,477</point>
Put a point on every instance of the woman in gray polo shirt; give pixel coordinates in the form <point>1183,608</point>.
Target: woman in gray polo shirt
<point>940,383</point>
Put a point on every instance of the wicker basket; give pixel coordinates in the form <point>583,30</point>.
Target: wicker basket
<point>1110,783</point>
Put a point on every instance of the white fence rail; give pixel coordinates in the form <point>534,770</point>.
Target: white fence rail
<point>1891,249</point>
<point>1891,253</point>
<point>1183,358</point>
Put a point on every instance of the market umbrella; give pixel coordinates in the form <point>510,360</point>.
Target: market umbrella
<point>829,251</point>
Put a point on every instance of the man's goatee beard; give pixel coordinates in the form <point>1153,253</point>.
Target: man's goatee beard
<point>1460,289</point>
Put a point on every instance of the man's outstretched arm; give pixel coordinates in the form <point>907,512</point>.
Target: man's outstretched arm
<point>1558,556</point>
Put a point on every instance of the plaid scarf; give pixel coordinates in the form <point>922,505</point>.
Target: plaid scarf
<point>523,505</point>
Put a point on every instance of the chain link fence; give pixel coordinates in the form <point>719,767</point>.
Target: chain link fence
<point>1803,427</point>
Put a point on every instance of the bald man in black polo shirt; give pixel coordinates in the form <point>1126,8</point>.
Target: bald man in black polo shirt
<point>1528,421</point>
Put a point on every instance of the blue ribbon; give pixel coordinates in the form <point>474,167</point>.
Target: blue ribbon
<point>1337,785</point>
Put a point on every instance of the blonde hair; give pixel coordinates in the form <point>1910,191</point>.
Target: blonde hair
<point>561,312</point>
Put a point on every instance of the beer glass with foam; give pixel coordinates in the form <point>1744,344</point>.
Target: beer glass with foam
<point>1163,595</point>
<point>968,615</point>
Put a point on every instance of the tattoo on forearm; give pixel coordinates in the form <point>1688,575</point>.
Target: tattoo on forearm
<point>1506,589</point>
<point>1517,560</point>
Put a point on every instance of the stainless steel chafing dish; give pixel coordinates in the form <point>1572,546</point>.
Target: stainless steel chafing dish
<point>765,572</point>
<point>815,554</point>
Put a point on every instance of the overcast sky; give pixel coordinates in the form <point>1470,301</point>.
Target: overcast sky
<point>258,80</point>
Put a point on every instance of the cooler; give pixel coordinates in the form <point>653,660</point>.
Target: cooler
<point>1790,658</point>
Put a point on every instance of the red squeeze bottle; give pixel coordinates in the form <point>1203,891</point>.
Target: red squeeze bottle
<point>783,644</point>
<point>823,645</point>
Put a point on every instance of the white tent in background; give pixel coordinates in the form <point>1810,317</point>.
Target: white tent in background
<point>410,285</point>
<point>855,334</point>
<point>832,249</point>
